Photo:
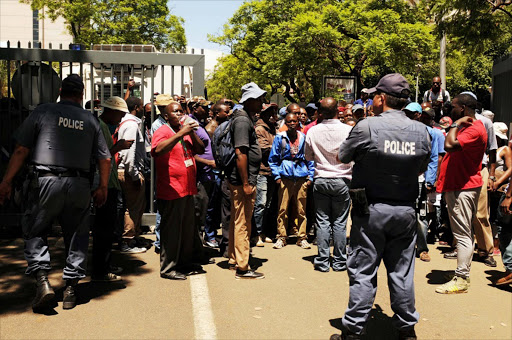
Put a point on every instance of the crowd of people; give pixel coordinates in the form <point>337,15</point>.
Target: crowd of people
<point>388,175</point>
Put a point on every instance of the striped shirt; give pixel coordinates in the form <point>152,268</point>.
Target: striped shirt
<point>323,142</point>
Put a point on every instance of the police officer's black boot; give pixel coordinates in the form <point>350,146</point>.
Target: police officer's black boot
<point>44,292</point>
<point>69,296</point>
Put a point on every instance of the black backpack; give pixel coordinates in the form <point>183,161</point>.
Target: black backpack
<point>223,150</point>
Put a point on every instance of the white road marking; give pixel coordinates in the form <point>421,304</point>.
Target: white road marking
<point>204,324</point>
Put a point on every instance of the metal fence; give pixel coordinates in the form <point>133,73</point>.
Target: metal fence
<point>32,76</point>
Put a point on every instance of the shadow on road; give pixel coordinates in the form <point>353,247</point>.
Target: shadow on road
<point>495,275</point>
<point>379,326</point>
<point>17,290</point>
<point>310,258</point>
<point>438,277</point>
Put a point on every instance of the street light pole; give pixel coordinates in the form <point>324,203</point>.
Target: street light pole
<point>418,68</point>
<point>442,61</point>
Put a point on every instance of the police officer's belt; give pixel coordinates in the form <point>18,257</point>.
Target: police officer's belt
<point>68,173</point>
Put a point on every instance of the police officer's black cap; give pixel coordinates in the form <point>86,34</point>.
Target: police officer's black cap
<point>393,84</point>
<point>73,82</point>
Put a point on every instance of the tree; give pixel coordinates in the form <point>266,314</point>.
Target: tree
<point>292,43</point>
<point>122,22</point>
<point>478,26</point>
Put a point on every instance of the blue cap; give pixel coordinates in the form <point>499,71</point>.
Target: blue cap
<point>282,112</point>
<point>414,107</point>
<point>237,107</point>
<point>312,106</point>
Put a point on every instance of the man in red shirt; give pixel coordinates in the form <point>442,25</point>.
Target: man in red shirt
<point>461,182</point>
<point>173,146</point>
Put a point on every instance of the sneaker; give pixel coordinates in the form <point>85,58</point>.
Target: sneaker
<point>268,239</point>
<point>109,277</point>
<point>456,285</point>
<point>248,274</point>
<point>304,244</point>
<point>424,256</point>
<point>489,261</point>
<point>260,242</point>
<point>279,244</point>
<point>132,250</point>
<point>212,243</point>
<point>451,255</point>
<point>507,279</point>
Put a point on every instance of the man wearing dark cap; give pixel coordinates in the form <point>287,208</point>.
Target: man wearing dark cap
<point>389,152</point>
<point>242,178</point>
<point>59,139</point>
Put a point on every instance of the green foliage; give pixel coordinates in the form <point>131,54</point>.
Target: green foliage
<point>292,43</point>
<point>119,22</point>
<point>478,26</point>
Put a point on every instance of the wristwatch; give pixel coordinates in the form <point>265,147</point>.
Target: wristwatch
<point>492,178</point>
<point>455,125</point>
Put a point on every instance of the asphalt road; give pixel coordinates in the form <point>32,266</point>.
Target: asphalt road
<point>292,302</point>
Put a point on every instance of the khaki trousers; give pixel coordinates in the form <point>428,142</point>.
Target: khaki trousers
<point>240,226</point>
<point>462,206</point>
<point>296,191</point>
<point>481,226</point>
<point>134,196</point>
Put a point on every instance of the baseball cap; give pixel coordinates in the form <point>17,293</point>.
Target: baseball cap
<point>429,111</point>
<point>312,106</point>
<point>282,112</point>
<point>163,100</point>
<point>393,84</point>
<point>445,122</point>
<point>501,130</point>
<point>116,103</point>
<point>357,107</point>
<point>414,107</point>
<point>251,90</point>
<point>72,82</point>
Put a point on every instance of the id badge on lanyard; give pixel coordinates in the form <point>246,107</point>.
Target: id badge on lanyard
<point>188,160</point>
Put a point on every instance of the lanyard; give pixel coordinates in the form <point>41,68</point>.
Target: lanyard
<point>182,142</point>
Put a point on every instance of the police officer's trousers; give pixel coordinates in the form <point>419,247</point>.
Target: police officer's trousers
<point>65,199</point>
<point>387,233</point>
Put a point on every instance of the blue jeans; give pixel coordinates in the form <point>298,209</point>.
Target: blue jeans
<point>332,201</point>
<point>213,214</point>
<point>265,187</point>
<point>505,235</point>
<point>157,230</point>
<point>421,240</point>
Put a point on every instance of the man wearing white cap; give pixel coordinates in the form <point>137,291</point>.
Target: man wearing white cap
<point>364,101</point>
<point>242,177</point>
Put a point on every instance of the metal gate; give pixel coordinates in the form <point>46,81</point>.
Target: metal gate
<point>32,76</point>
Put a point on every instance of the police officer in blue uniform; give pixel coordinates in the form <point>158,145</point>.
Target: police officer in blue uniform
<point>59,140</point>
<point>389,151</point>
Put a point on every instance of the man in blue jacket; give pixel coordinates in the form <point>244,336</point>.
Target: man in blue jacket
<point>293,175</point>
